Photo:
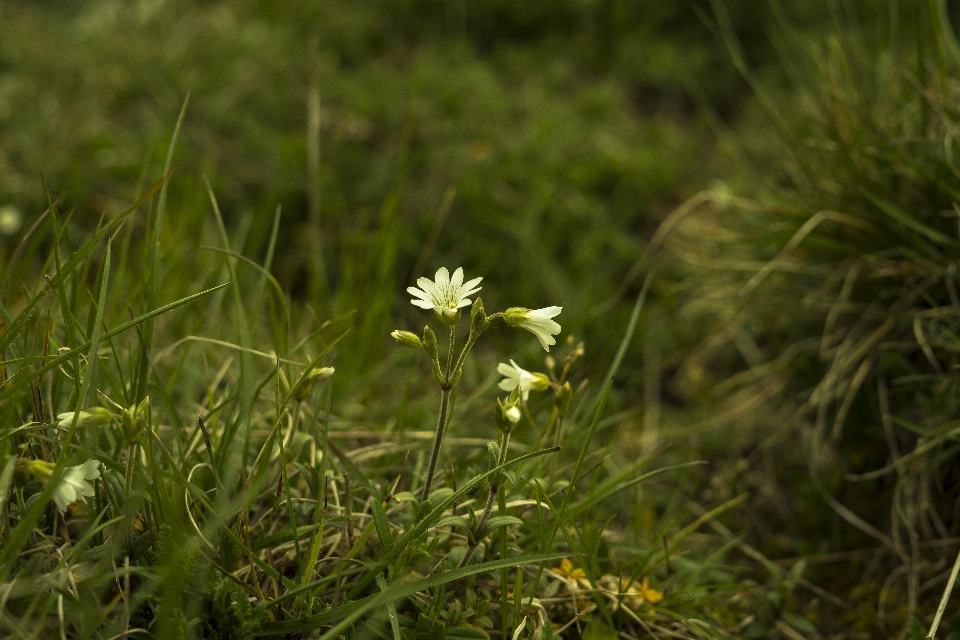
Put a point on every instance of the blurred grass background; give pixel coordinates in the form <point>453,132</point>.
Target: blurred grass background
<point>541,146</point>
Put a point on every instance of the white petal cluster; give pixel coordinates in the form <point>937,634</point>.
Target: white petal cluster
<point>445,295</point>
<point>538,322</point>
<point>515,376</point>
<point>74,484</point>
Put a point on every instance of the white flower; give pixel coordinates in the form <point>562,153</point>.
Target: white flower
<point>512,414</point>
<point>515,376</point>
<point>445,295</point>
<point>74,484</point>
<point>537,322</point>
<point>96,415</point>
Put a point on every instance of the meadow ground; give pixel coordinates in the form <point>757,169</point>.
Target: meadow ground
<point>210,214</point>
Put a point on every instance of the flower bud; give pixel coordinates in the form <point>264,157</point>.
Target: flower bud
<point>540,381</point>
<point>407,339</point>
<point>96,415</point>
<point>316,375</point>
<point>507,413</point>
<point>41,469</point>
<point>562,399</point>
<point>515,316</point>
<point>478,319</point>
<point>430,343</point>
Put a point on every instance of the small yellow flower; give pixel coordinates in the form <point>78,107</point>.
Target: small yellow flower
<point>566,570</point>
<point>635,596</point>
<point>650,594</point>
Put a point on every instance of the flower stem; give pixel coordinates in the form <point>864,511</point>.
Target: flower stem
<point>453,339</point>
<point>494,489</point>
<point>445,390</point>
<point>131,457</point>
<point>441,426</point>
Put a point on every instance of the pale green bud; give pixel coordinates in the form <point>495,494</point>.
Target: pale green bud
<point>448,317</point>
<point>134,419</point>
<point>316,375</point>
<point>41,469</point>
<point>430,343</point>
<point>515,316</point>
<point>407,339</point>
<point>478,319</point>
<point>96,415</point>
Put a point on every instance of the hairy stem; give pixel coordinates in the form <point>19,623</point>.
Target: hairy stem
<point>441,426</point>
<point>494,489</point>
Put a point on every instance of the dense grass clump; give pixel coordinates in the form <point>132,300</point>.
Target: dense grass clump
<point>836,282</point>
<point>181,466</point>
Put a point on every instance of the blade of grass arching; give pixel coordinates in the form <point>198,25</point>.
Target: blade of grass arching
<point>423,525</point>
<point>356,610</point>
<point>90,375</point>
<point>945,598</point>
<point>268,260</point>
<point>906,219</point>
<point>321,511</point>
<point>24,528</point>
<point>55,362</point>
<point>266,276</point>
<point>152,268</point>
<point>18,251</point>
<point>60,290</point>
<point>245,381</point>
<point>16,326</point>
<point>608,489</point>
<point>624,343</point>
<point>391,610</point>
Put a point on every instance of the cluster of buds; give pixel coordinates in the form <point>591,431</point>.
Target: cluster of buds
<point>134,419</point>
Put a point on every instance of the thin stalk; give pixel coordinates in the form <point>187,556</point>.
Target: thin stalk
<point>441,426</point>
<point>945,599</point>
<point>494,489</point>
<point>131,457</point>
<point>445,390</point>
<point>453,340</point>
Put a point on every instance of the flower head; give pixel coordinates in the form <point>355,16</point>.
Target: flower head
<point>515,376</point>
<point>629,593</point>
<point>74,483</point>
<point>537,322</point>
<point>444,294</point>
<point>96,415</point>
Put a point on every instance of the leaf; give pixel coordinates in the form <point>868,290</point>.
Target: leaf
<point>351,612</point>
<point>467,633</point>
<point>382,525</point>
<point>597,629</point>
<point>456,521</point>
<point>497,522</point>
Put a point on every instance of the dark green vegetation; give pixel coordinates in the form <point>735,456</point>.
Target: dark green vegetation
<point>800,332</point>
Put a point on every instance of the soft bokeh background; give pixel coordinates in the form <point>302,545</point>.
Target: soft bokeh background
<point>539,145</point>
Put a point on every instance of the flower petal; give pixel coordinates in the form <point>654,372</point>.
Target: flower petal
<point>442,278</point>
<point>546,312</point>
<point>457,278</point>
<point>508,384</point>
<point>423,304</point>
